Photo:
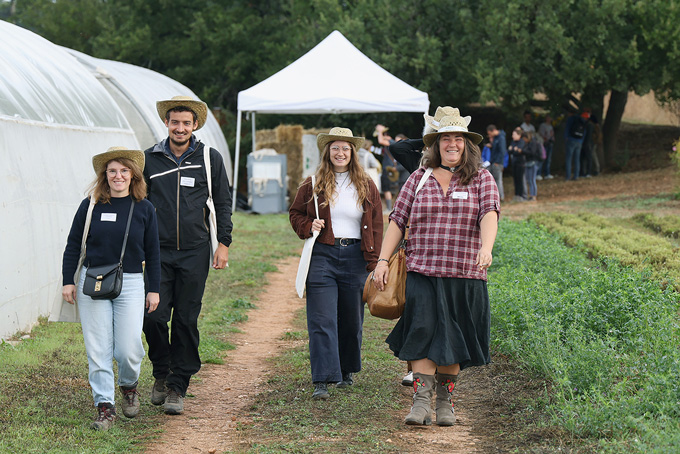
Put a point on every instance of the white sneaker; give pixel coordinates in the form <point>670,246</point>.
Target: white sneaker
<point>408,379</point>
<point>539,178</point>
<point>549,177</point>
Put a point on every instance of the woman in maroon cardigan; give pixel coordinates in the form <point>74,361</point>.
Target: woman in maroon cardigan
<point>350,230</point>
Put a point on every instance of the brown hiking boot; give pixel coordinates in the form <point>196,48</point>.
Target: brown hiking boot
<point>130,402</point>
<point>106,415</point>
<point>174,403</point>
<point>158,392</point>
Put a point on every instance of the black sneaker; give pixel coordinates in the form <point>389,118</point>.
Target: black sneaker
<point>130,402</point>
<point>174,403</point>
<point>158,392</point>
<point>106,415</point>
<point>320,391</point>
<point>347,380</point>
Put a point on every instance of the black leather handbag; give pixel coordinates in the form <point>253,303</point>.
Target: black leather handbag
<point>106,281</point>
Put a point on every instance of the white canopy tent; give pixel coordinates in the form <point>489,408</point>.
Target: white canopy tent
<point>313,84</point>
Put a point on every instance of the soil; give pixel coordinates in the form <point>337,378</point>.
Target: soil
<point>486,397</point>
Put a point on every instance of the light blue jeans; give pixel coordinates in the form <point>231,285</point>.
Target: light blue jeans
<point>113,329</point>
<point>530,170</point>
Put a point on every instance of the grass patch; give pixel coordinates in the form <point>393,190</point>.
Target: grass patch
<point>611,238</point>
<point>668,226</point>
<point>604,336</point>
<point>45,398</point>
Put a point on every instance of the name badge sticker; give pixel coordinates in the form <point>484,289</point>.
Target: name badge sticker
<point>187,181</point>
<point>462,195</point>
<point>108,217</point>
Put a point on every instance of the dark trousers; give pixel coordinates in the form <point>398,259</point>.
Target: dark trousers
<point>335,312</point>
<point>518,178</point>
<point>183,276</point>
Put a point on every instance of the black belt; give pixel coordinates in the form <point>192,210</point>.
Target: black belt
<point>345,241</point>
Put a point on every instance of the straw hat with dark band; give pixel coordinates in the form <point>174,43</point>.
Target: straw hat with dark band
<point>199,107</point>
<point>99,161</point>
<point>451,124</point>
<point>338,134</point>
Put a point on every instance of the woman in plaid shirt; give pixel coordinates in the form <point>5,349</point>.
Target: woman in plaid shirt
<point>453,224</point>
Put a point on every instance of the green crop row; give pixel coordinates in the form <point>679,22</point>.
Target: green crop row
<point>667,225</point>
<point>604,335</point>
<point>608,238</point>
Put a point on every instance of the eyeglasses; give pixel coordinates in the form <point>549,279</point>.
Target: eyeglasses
<point>123,172</point>
<point>335,149</point>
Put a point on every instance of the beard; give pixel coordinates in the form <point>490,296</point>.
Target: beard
<point>180,143</point>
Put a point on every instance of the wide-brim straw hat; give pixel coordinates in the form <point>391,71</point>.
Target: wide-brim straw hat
<point>338,134</point>
<point>451,124</point>
<point>433,123</point>
<point>199,107</point>
<point>99,161</point>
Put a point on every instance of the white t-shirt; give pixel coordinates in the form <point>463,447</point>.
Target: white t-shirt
<point>345,212</point>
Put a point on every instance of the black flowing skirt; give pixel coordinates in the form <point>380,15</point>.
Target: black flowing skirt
<point>446,320</point>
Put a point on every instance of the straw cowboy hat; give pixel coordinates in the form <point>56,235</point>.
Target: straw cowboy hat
<point>432,123</point>
<point>199,107</point>
<point>99,161</point>
<point>338,134</point>
<point>453,123</point>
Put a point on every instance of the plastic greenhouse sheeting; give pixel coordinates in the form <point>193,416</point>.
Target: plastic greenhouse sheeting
<point>141,88</point>
<point>54,116</point>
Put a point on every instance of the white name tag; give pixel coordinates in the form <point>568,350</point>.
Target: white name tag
<point>460,195</point>
<point>187,181</point>
<point>109,217</point>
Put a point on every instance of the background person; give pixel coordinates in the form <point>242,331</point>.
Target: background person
<point>112,329</point>
<point>499,153</point>
<point>547,133</point>
<point>516,152</point>
<point>178,188</point>
<point>346,249</point>
<point>370,163</point>
<point>533,156</point>
<point>453,223</point>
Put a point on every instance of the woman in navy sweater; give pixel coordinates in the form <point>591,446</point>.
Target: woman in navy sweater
<point>113,328</point>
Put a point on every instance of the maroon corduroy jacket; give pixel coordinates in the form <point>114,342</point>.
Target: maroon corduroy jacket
<point>302,213</point>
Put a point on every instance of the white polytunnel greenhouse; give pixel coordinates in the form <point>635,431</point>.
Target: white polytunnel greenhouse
<point>58,108</point>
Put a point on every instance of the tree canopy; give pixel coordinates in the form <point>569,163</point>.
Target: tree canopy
<point>571,52</point>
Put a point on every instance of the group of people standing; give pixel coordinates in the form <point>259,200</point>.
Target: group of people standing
<point>451,205</point>
<point>152,205</point>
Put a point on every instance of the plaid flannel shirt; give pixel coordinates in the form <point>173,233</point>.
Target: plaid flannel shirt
<point>444,235</point>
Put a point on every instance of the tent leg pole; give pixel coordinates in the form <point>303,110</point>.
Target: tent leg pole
<point>234,192</point>
<point>253,133</point>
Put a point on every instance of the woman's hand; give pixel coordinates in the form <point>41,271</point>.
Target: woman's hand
<point>318,224</point>
<point>484,259</point>
<point>68,292</point>
<point>152,300</point>
<point>380,275</point>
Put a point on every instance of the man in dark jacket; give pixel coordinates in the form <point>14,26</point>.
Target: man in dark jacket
<point>178,187</point>
<point>499,149</point>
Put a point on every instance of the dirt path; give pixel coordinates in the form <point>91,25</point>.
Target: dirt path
<point>224,392</point>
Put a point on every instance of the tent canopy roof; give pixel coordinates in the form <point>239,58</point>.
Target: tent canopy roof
<point>333,77</point>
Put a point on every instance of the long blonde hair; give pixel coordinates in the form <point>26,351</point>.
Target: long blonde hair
<point>101,192</point>
<point>325,177</point>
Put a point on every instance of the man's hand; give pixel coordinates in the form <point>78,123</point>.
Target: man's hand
<point>152,300</point>
<point>221,258</point>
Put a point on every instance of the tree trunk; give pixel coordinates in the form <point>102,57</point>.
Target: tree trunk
<point>610,128</point>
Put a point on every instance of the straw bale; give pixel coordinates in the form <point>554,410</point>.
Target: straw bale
<point>287,140</point>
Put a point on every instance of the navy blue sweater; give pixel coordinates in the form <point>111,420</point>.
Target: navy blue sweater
<point>105,239</point>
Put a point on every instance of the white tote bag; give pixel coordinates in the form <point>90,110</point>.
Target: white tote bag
<point>306,256</point>
<point>212,217</point>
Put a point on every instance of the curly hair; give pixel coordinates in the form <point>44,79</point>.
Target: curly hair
<point>100,190</point>
<point>471,159</point>
<point>325,177</point>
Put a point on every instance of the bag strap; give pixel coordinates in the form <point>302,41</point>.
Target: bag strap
<point>127,230</point>
<point>208,171</point>
<point>316,200</point>
<point>422,181</point>
<point>88,221</point>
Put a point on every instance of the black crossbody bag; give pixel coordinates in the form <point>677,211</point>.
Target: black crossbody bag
<point>106,281</point>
